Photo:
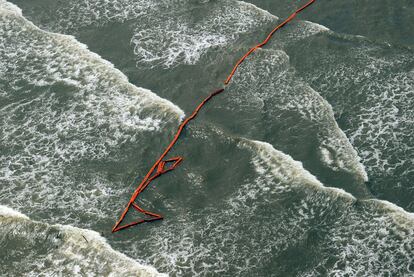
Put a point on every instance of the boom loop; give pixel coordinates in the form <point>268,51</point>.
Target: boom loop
<point>162,166</point>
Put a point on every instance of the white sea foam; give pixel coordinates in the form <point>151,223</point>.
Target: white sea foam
<point>371,87</point>
<point>317,27</point>
<point>71,251</point>
<point>298,30</point>
<point>232,238</point>
<point>398,212</point>
<point>365,237</point>
<point>62,106</point>
<point>275,212</point>
<point>9,212</point>
<point>163,34</point>
<point>283,167</point>
<point>74,15</point>
<point>10,7</point>
<point>70,43</point>
<point>271,80</point>
<point>175,38</point>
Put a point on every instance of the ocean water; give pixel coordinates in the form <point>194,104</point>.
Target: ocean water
<point>302,167</point>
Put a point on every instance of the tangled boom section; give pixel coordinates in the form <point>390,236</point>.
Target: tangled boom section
<point>162,166</point>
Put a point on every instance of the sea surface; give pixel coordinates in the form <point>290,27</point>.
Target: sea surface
<point>304,166</point>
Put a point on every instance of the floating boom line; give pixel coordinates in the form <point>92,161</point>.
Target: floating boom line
<point>162,166</point>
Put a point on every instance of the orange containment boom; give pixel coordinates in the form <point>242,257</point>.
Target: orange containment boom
<point>162,166</point>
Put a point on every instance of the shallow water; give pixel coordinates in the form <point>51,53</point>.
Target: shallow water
<point>302,167</point>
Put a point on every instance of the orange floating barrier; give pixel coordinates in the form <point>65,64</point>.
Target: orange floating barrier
<point>162,166</point>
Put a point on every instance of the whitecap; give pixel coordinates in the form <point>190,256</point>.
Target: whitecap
<point>277,94</point>
<point>70,250</point>
<point>63,106</point>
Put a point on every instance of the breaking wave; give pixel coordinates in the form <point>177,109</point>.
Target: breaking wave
<point>59,250</point>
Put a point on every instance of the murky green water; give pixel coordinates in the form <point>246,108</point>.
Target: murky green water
<point>302,167</point>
